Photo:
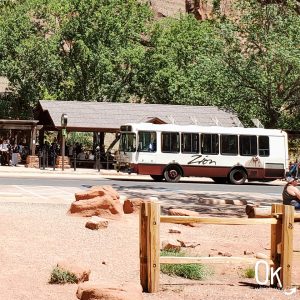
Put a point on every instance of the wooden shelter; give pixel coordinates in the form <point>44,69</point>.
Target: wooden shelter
<point>22,125</point>
<point>109,116</point>
<point>101,117</point>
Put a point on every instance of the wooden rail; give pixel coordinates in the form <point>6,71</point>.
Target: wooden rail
<point>216,221</point>
<point>210,260</point>
<point>282,225</point>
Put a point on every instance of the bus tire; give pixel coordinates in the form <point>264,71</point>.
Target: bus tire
<point>219,180</point>
<point>157,177</point>
<point>172,173</point>
<point>237,176</point>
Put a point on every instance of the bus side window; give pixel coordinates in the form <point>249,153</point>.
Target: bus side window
<point>190,143</point>
<point>248,145</point>
<point>229,144</point>
<point>170,142</point>
<point>209,143</point>
<point>263,146</point>
<point>147,141</point>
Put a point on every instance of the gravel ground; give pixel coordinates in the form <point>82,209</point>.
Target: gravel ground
<point>35,236</point>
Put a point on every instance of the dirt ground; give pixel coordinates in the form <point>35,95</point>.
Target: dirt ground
<point>35,236</point>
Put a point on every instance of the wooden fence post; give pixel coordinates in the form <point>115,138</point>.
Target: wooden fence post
<point>153,245</point>
<point>276,236</point>
<point>287,246</point>
<point>144,246</point>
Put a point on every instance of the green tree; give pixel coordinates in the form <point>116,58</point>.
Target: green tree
<point>70,49</point>
<point>182,64</point>
<point>105,50</point>
<point>28,57</point>
<point>261,55</point>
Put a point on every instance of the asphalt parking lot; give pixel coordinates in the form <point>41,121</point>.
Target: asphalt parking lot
<point>37,194</point>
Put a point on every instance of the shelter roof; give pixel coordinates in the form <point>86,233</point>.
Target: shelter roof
<point>17,124</point>
<point>108,116</point>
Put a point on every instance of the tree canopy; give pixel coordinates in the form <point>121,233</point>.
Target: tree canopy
<point>70,49</point>
<point>182,63</point>
<point>261,55</point>
<point>114,50</point>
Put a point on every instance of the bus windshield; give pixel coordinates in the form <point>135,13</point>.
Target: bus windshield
<point>128,142</point>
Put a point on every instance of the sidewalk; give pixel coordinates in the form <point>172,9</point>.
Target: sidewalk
<point>21,170</point>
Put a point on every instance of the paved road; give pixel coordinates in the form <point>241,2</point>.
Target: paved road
<point>200,195</point>
<point>264,188</point>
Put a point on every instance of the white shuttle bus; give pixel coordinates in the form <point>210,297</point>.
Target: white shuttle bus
<point>225,154</point>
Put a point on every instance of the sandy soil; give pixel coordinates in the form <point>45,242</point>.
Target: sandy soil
<point>35,236</point>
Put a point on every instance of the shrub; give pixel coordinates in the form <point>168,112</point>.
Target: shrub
<point>249,273</point>
<point>190,271</point>
<point>60,276</point>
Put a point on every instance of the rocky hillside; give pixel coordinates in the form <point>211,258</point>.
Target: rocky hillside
<point>202,9</point>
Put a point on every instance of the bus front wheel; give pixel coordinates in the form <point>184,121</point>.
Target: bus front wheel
<point>157,177</point>
<point>237,176</point>
<point>172,174</point>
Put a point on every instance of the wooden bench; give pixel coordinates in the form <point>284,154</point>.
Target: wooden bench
<point>83,163</point>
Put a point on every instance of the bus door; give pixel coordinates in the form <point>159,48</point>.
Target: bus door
<point>272,150</point>
<point>146,151</point>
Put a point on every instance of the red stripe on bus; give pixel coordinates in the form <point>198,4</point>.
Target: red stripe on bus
<point>207,171</point>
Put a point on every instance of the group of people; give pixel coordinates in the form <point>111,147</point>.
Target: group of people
<point>51,151</point>
<point>89,155</point>
<point>10,153</point>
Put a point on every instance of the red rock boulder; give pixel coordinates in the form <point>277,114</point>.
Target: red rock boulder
<point>132,205</point>
<point>109,291</point>
<point>174,230</point>
<point>100,201</point>
<point>170,244</point>
<point>82,273</point>
<point>184,212</point>
<point>96,191</point>
<point>96,223</point>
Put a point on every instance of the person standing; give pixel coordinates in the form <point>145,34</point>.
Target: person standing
<point>290,193</point>
<point>152,145</point>
<point>4,148</point>
<point>15,155</point>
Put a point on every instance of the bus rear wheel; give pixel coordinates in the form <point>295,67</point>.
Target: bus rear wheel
<point>237,176</point>
<point>172,173</point>
<point>157,177</point>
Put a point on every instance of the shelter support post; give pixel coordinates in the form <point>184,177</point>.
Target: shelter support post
<point>41,136</point>
<point>33,140</point>
<point>32,160</point>
<point>101,138</point>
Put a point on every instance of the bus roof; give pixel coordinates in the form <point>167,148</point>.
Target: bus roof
<point>206,129</point>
